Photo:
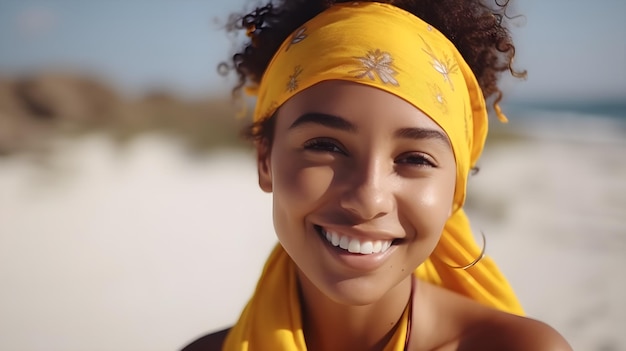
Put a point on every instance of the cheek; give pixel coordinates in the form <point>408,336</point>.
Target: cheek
<point>428,208</point>
<point>298,191</point>
<point>293,182</point>
<point>298,187</point>
<point>440,194</point>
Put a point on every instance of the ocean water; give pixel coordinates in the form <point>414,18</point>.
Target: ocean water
<point>614,109</point>
<point>565,122</point>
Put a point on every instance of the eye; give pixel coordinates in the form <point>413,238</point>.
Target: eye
<point>416,159</point>
<point>324,145</point>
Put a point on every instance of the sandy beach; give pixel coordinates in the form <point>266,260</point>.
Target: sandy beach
<point>145,247</point>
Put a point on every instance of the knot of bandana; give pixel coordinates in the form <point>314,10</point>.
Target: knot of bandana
<point>388,48</point>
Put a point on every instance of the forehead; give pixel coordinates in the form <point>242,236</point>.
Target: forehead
<point>358,103</point>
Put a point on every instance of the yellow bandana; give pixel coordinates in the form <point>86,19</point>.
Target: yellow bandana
<point>385,47</point>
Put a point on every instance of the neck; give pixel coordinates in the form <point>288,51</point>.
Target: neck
<point>329,325</point>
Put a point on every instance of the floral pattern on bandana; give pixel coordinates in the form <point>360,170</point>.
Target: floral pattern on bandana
<point>445,66</point>
<point>292,83</point>
<point>377,63</point>
<point>297,37</point>
<point>438,97</point>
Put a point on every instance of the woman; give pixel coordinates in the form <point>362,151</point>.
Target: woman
<point>367,124</point>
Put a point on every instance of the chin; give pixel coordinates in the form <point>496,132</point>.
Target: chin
<point>356,291</point>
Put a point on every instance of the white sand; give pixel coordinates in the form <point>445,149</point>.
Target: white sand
<point>146,248</point>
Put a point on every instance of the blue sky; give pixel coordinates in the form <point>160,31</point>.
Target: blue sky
<point>572,49</point>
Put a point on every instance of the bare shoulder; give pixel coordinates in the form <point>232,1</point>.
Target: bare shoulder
<point>503,331</point>
<point>209,342</point>
<point>478,327</point>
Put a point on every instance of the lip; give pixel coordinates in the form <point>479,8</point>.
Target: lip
<point>355,261</point>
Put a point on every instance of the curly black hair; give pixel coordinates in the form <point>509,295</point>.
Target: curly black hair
<point>476,28</point>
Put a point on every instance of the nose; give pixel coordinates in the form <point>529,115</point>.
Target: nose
<point>368,193</point>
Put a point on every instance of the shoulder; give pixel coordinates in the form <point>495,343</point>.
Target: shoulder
<point>469,325</point>
<point>503,331</point>
<point>209,342</point>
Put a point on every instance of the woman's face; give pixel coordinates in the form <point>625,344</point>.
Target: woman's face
<point>362,185</point>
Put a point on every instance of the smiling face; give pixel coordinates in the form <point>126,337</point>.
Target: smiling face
<point>362,186</point>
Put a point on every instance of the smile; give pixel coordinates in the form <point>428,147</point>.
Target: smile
<point>354,245</point>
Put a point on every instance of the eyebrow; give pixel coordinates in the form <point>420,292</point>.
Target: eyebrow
<point>323,119</point>
<point>337,122</point>
<point>421,133</point>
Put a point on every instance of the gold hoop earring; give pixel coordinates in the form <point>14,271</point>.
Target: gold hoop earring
<point>475,261</point>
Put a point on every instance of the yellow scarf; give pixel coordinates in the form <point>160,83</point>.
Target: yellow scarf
<point>388,48</point>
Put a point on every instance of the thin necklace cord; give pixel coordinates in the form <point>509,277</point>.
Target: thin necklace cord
<point>410,317</point>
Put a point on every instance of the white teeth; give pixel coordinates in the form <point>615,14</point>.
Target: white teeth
<point>335,239</point>
<point>343,242</point>
<point>386,246</point>
<point>378,245</point>
<point>367,248</point>
<point>353,245</point>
